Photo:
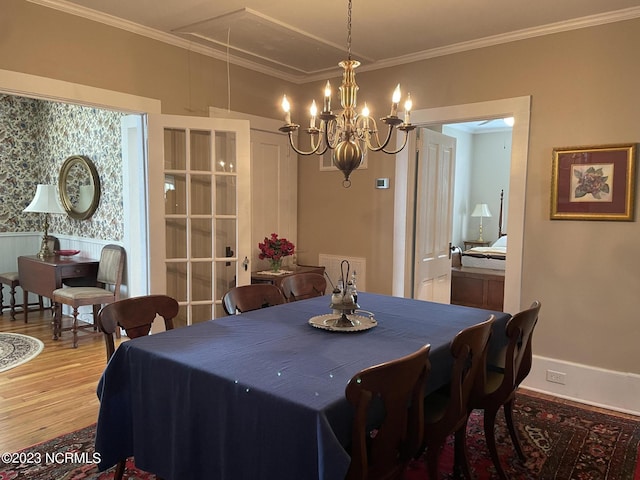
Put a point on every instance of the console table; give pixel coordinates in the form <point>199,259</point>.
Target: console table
<point>43,275</point>
<point>258,277</point>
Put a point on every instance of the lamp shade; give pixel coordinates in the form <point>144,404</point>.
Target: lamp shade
<point>45,201</point>
<point>481,210</point>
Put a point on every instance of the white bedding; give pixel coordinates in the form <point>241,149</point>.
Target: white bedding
<point>493,257</point>
<point>498,251</point>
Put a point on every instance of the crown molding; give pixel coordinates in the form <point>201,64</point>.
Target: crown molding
<point>552,28</point>
<point>574,24</point>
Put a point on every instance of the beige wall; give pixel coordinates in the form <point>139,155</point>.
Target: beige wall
<point>49,43</point>
<point>583,86</point>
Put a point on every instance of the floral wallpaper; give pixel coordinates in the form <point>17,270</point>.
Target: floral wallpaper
<point>35,139</point>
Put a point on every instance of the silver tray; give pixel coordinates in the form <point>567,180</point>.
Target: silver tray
<point>327,322</point>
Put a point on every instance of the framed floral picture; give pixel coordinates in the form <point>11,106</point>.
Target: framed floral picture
<point>593,183</point>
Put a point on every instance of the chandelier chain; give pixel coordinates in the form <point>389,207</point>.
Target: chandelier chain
<point>349,32</point>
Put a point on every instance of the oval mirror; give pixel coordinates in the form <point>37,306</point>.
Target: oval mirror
<point>79,187</point>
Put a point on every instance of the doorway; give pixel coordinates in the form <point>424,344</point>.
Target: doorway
<point>519,108</point>
<point>40,88</point>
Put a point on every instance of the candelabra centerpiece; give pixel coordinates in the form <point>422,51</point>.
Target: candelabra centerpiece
<point>344,299</point>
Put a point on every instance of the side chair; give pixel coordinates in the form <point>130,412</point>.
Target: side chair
<point>502,377</point>
<point>446,411</point>
<point>135,315</point>
<point>110,269</point>
<point>300,286</point>
<point>381,449</point>
<point>251,297</point>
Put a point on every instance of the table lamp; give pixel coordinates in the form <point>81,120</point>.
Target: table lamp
<point>45,201</point>
<point>481,210</point>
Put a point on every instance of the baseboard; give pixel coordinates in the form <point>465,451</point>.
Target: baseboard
<point>598,387</point>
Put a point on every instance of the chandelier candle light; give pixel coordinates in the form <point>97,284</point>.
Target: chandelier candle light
<point>348,134</point>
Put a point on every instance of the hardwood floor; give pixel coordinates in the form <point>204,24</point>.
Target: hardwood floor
<point>54,393</point>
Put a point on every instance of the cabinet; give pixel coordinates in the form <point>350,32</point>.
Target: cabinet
<point>477,287</point>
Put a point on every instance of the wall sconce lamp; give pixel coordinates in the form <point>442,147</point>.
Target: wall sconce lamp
<point>45,201</point>
<point>481,210</point>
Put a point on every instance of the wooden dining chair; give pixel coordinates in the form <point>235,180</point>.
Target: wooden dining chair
<point>12,280</point>
<point>382,445</point>
<point>110,269</point>
<point>300,286</point>
<point>446,410</point>
<point>251,297</point>
<point>135,315</point>
<point>502,377</point>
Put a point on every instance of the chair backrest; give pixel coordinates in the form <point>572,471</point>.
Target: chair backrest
<point>519,353</point>
<point>251,297</point>
<point>111,267</point>
<point>303,285</point>
<point>383,444</point>
<point>320,269</point>
<point>53,243</point>
<point>469,352</point>
<point>135,315</point>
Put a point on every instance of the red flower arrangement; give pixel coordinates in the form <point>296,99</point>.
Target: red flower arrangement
<point>275,248</point>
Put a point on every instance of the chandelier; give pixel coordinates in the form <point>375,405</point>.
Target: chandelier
<point>348,134</point>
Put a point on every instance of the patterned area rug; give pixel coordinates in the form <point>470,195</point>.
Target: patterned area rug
<point>16,349</point>
<point>68,457</point>
<point>561,442</point>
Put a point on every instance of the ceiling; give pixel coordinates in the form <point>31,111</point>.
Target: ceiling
<point>303,41</point>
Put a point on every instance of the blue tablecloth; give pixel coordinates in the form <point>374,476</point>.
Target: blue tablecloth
<point>259,395</point>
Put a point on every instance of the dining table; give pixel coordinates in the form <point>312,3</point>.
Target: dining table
<point>261,395</point>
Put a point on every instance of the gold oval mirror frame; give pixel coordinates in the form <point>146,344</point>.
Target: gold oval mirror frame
<point>79,187</point>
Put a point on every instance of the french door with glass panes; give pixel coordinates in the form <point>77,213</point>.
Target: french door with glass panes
<point>199,211</point>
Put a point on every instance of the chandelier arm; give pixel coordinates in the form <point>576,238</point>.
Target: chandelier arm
<point>406,137</point>
<point>323,151</point>
<point>303,152</point>
<point>334,127</point>
<point>380,146</point>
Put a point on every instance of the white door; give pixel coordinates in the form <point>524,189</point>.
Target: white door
<point>274,182</point>
<point>434,201</point>
<point>199,211</point>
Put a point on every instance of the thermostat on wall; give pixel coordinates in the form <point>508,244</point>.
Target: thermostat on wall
<point>382,183</point>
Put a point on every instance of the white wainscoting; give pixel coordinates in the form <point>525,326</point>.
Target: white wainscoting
<point>331,264</point>
<point>13,245</point>
<point>610,389</point>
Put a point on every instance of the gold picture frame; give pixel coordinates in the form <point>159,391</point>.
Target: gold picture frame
<point>594,183</point>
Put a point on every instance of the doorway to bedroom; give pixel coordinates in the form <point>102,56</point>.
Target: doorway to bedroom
<point>482,171</point>
<point>405,219</point>
<point>462,170</point>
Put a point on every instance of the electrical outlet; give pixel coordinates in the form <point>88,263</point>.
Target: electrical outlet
<point>556,377</point>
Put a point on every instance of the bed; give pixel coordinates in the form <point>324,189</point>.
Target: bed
<point>477,274</point>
